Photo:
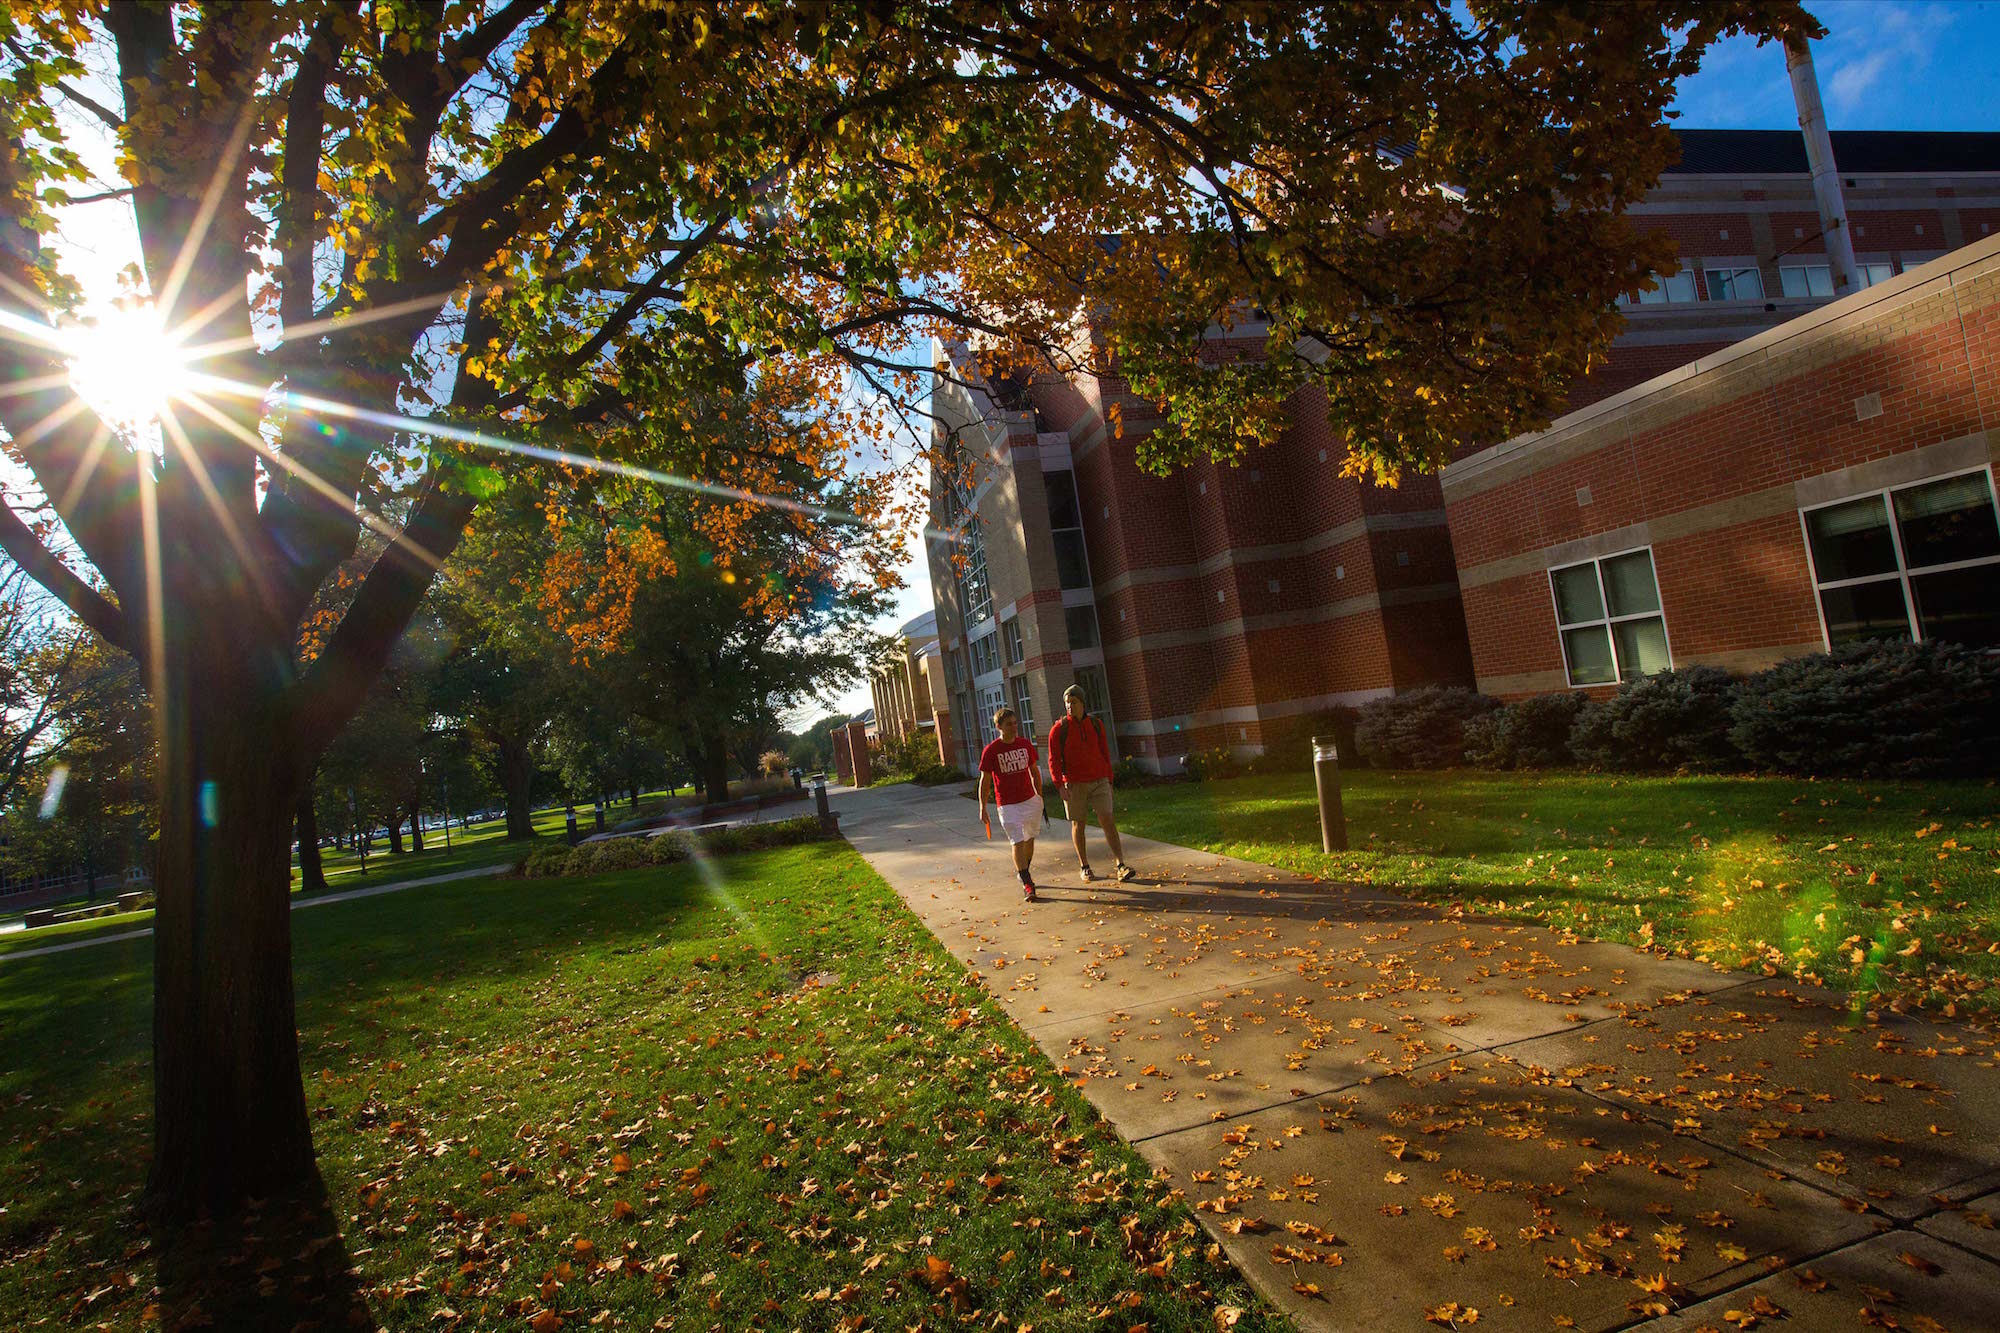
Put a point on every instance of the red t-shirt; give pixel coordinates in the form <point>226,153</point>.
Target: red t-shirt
<point>1012,764</point>
<point>1077,750</point>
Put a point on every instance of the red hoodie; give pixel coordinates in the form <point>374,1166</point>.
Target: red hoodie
<point>1078,751</point>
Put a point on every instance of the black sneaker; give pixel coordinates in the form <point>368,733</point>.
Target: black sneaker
<point>1124,872</point>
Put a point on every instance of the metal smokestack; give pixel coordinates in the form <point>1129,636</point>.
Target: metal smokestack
<point>1825,174</point>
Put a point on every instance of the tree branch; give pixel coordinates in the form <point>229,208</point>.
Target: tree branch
<point>86,603</point>
<point>340,677</point>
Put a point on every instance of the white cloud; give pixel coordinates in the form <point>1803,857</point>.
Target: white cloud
<point>1864,43</point>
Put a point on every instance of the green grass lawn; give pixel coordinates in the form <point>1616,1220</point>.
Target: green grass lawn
<point>752,1094</point>
<point>1888,888</point>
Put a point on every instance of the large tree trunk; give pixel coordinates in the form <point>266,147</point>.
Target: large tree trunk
<point>416,829</point>
<point>396,833</point>
<point>312,874</point>
<point>714,766</point>
<point>517,774</point>
<point>229,1109</point>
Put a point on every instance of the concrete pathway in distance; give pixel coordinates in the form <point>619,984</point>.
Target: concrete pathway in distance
<point>1392,1117</point>
<point>298,905</point>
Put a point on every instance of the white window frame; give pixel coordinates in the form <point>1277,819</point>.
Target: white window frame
<point>1903,570</point>
<point>1014,645</point>
<point>991,700</point>
<point>1021,700</point>
<point>1608,620</point>
<point>1729,267</point>
<point>1661,294</point>
<point>1862,274</point>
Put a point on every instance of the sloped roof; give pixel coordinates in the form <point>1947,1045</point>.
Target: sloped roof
<point>1870,152</point>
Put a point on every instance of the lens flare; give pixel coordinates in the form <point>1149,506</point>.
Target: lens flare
<point>126,366</point>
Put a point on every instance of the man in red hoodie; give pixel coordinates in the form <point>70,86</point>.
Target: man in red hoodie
<point>1080,763</point>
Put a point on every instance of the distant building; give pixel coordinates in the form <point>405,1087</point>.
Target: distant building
<point>906,683</point>
<point>1227,606</point>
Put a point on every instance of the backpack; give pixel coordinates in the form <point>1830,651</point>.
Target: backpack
<point>1068,728</point>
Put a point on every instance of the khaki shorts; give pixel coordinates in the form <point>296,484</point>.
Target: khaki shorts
<point>1080,798</point>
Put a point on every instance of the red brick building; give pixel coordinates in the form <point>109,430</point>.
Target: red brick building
<point>1827,480</point>
<point>1224,606</point>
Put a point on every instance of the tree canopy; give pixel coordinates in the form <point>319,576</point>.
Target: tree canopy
<point>409,245</point>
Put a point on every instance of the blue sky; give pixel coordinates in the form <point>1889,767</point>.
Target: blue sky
<point>1883,65</point>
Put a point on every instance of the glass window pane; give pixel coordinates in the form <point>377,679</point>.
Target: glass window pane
<point>1735,284</point>
<point>1576,594</point>
<point>1962,605</point>
<point>1072,565</point>
<point>1851,540</point>
<point>1642,647</point>
<point>1629,585</point>
<point>1097,698</point>
<point>1063,511</point>
<point>1082,622</point>
<point>1680,287</point>
<point>1807,280</point>
<point>1946,521</point>
<point>1865,611</point>
<point>1870,274</point>
<point>1588,652</point>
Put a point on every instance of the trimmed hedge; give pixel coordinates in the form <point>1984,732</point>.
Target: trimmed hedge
<point>1904,710</point>
<point>612,854</point>
<point>1423,728</point>
<point>1678,718</point>
<point>1528,733</point>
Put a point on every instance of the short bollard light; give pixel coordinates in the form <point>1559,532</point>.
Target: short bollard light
<point>569,819</point>
<point>820,806</point>
<point>1326,776</point>
<point>600,814</point>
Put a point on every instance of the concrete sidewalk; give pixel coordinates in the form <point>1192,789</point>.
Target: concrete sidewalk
<point>1391,1117</point>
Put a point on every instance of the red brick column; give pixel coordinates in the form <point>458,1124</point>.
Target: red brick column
<point>843,765</point>
<point>857,749</point>
<point>942,735</point>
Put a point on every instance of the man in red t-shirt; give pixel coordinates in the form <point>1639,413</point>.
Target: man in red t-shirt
<point>1080,762</point>
<point>1010,770</point>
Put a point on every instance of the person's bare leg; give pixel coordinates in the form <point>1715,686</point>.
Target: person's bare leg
<point>1076,832</point>
<point>1110,827</point>
<point>1024,854</point>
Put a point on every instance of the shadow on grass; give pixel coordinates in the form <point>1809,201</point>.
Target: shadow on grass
<point>74,1125</point>
<point>282,1266</point>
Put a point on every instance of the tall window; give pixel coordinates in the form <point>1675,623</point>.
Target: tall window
<point>1016,650</point>
<point>973,588</point>
<point>1817,279</point>
<point>990,701</point>
<point>1082,624</point>
<point>1608,614</point>
<point>1919,561</point>
<point>1066,529</point>
<point>975,593</point>
<point>1025,706</point>
<point>1096,695</point>
<point>986,653</point>
<point>1734,284</point>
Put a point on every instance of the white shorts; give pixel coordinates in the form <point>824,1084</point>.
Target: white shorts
<point>1022,821</point>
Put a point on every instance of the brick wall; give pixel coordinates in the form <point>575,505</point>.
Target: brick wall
<point>1704,470</point>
